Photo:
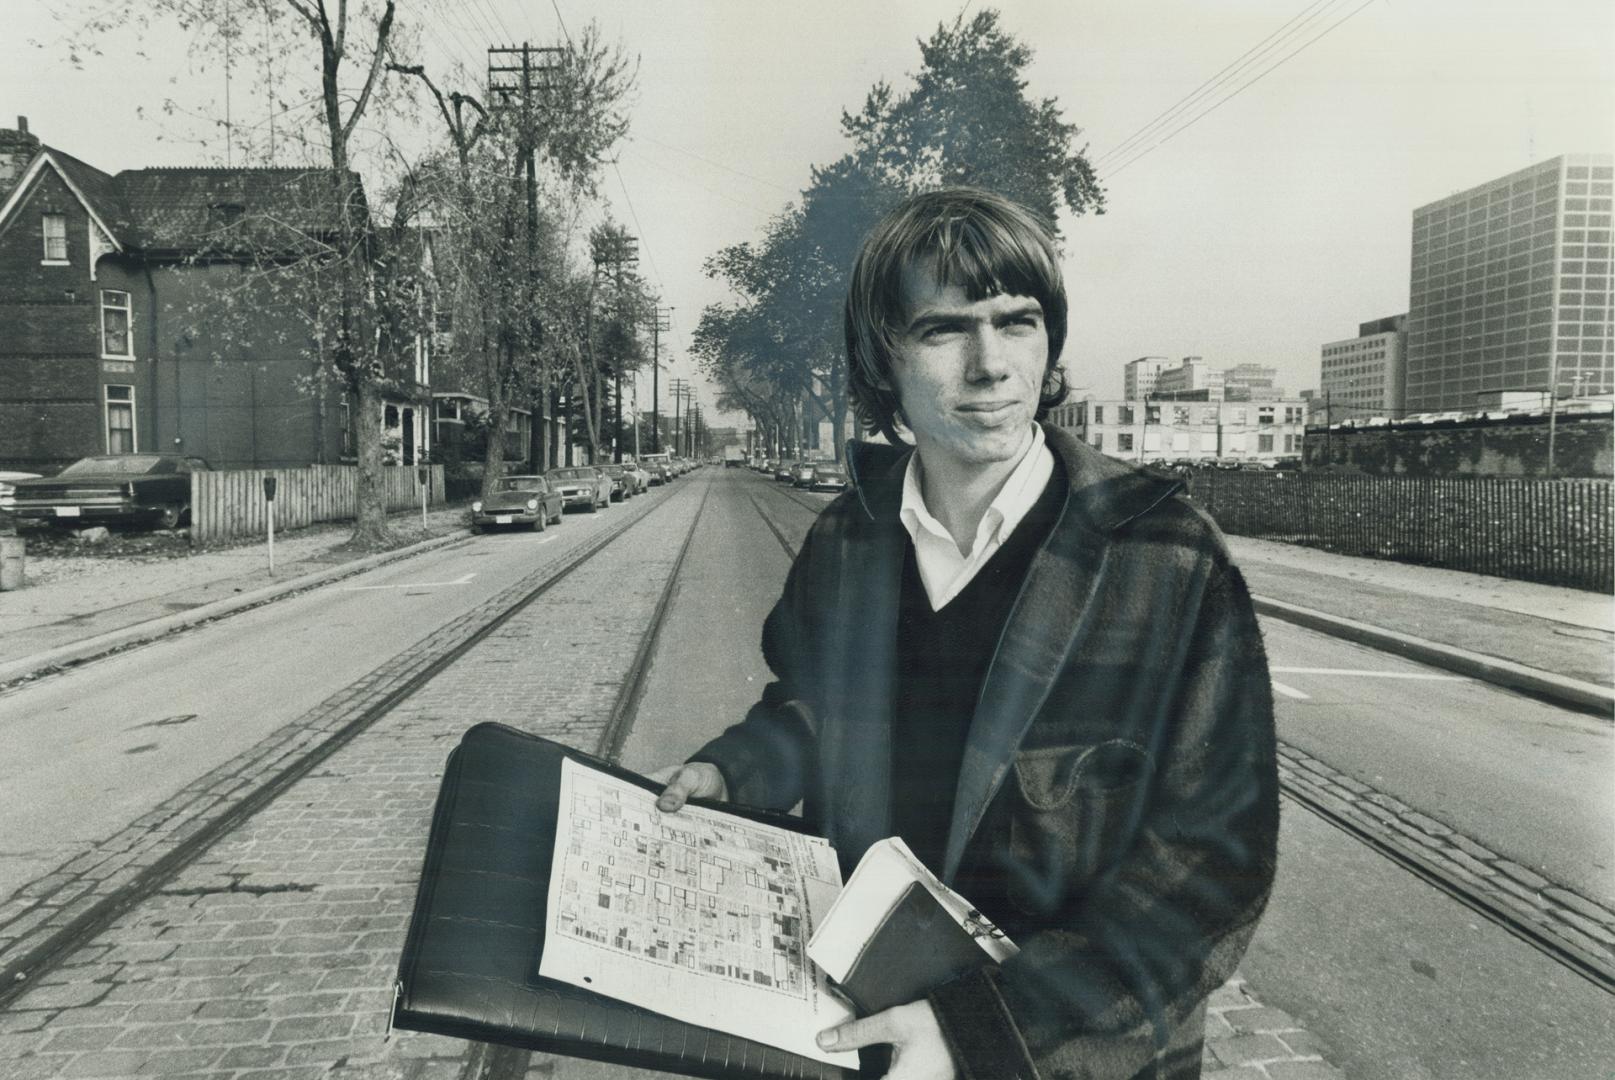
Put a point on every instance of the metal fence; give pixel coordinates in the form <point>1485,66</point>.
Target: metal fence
<point>231,503</point>
<point>1558,532</point>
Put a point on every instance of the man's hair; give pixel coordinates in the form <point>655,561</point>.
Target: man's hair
<point>975,239</point>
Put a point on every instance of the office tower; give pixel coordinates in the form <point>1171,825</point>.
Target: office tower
<point>1362,376</point>
<point>1511,287</point>
<point>1141,375</point>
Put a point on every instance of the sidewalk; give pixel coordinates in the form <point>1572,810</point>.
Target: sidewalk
<point>71,608</point>
<point>1566,633</point>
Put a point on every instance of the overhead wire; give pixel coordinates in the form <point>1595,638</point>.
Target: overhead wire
<point>1239,62</point>
<point>1239,90</point>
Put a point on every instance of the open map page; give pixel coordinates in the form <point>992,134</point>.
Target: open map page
<point>697,915</point>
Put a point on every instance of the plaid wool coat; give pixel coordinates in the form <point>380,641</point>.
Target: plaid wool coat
<point>1119,771</point>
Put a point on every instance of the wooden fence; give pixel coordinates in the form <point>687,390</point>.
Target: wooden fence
<point>1558,532</point>
<point>231,503</point>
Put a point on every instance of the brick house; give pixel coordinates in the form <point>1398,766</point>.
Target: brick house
<point>176,310</point>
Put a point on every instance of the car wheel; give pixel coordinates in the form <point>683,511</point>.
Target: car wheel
<point>171,516</point>
<point>478,530</point>
<point>537,524</point>
<point>556,520</point>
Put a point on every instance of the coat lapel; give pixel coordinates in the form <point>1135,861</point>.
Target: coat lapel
<point>1047,625</point>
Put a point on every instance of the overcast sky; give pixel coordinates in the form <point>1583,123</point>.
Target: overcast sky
<point>1272,224</point>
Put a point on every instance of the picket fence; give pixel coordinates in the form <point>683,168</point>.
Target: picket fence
<point>231,503</point>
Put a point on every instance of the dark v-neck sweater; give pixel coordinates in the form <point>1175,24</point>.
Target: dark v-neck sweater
<point>942,661</point>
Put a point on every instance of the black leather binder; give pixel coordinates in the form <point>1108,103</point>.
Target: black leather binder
<point>469,968</point>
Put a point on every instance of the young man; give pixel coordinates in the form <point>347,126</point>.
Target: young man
<point>1033,663</point>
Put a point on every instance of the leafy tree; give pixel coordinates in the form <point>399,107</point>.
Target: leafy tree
<point>966,121</point>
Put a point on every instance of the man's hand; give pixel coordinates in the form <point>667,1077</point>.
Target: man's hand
<point>697,780</point>
<point>918,1050</point>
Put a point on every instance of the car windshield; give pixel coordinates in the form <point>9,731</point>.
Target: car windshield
<point>120,464</point>
<point>519,483</point>
<point>611,470</point>
<point>828,470</point>
<point>572,474</point>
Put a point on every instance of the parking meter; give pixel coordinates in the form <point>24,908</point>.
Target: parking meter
<point>423,478</point>
<point>269,497</point>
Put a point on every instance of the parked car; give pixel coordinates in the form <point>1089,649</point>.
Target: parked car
<point>582,485</point>
<point>785,470</point>
<point>659,465</point>
<point>802,476</point>
<point>640,477</point>
<point>622,485</point>
<point>146,488</point>
<point>518,500</point>
<point>8,486</point>
<point>828,476</point>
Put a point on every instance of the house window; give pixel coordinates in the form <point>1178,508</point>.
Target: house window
<point>120,407</point>
<point>117,338</point>
<point>1126,414</point>
<point>1264,417</point>
<point>1124,441</point>
<point>1099,414</point>
<point>55,229</point>
<point>1099,440</point>
<point>1264,444</point>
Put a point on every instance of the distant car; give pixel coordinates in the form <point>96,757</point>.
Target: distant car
<point>640,476</point>
<point>582,485</point>
<point>803,475</point>
<point>785,470</point>
<point>518,500</point>
<point>828,476</point>
<point>622,484</point>
<point>659,465</point>
<point>145,488</point>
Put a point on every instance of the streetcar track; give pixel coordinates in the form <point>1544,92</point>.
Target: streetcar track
<point>1541,935</point>
<point>489,1061</point>
<point>20,973</point>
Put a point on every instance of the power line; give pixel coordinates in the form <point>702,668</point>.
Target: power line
<point>1239,90</point>
<point>1234,65</point>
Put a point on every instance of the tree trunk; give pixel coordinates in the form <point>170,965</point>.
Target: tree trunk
<point>370,524</point>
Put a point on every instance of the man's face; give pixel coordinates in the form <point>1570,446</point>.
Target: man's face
<point>968,373</point>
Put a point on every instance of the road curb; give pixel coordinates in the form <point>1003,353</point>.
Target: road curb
<point>90,648</point>
<point>1559,689</point>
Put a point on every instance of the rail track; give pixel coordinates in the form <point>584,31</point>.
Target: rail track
<point>55,939</point>
<point>1540,925</point>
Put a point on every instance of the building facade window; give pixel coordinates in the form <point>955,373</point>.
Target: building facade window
<point>1264,444</point>
<point>1099,414</point>
<point>1099,440</point>
<point>120,412</point>
<point>54,227</point>
<point>117,332</point>
<point>1124,414</point>
<point>1124,441</point>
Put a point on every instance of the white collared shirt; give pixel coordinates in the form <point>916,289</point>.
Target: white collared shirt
<point>943,569</point>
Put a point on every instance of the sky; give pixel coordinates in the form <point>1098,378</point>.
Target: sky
<point>1269,214</point>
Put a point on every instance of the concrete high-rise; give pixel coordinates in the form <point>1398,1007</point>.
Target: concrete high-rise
<point>1362,377</point>
<point>1511,287</point>
<point>1141,374</point>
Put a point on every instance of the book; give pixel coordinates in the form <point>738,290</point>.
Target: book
<point>498,951</point>
<point>896,932</point>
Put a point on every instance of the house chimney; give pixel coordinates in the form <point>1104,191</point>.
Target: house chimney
<point>17,149</point>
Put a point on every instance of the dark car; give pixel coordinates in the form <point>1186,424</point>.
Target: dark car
<point>659,465</point>
<point>145,488</point>
<point>802,475</point>
<point>785,470</point>
<point>518,500</point>
<point>622,485</point>
<point>828,476</point>
<point>582,485</point>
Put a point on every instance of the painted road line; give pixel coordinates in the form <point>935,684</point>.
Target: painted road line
<point>464,580</point>
<point>1431,676</point>
<point>1290,691</point>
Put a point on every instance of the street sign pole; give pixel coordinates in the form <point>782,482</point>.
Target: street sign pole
<point>423,476</point>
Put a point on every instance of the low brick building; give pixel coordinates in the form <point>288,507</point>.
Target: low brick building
<point>172,310</point>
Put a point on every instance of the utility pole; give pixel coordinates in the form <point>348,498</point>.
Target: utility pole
<point>516,78</point>
<point>615,249</point>
<point>676,388</point>
<point>661,321</point>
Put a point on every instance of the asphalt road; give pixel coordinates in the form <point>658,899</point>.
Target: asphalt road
<point>92,749</point>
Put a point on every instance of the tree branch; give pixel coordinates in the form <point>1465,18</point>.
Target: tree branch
<point>376,61</point>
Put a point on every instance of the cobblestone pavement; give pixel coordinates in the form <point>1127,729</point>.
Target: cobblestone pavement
<point>274,953</point>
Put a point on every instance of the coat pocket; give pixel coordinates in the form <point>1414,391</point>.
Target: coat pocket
<point>1075,813</point>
